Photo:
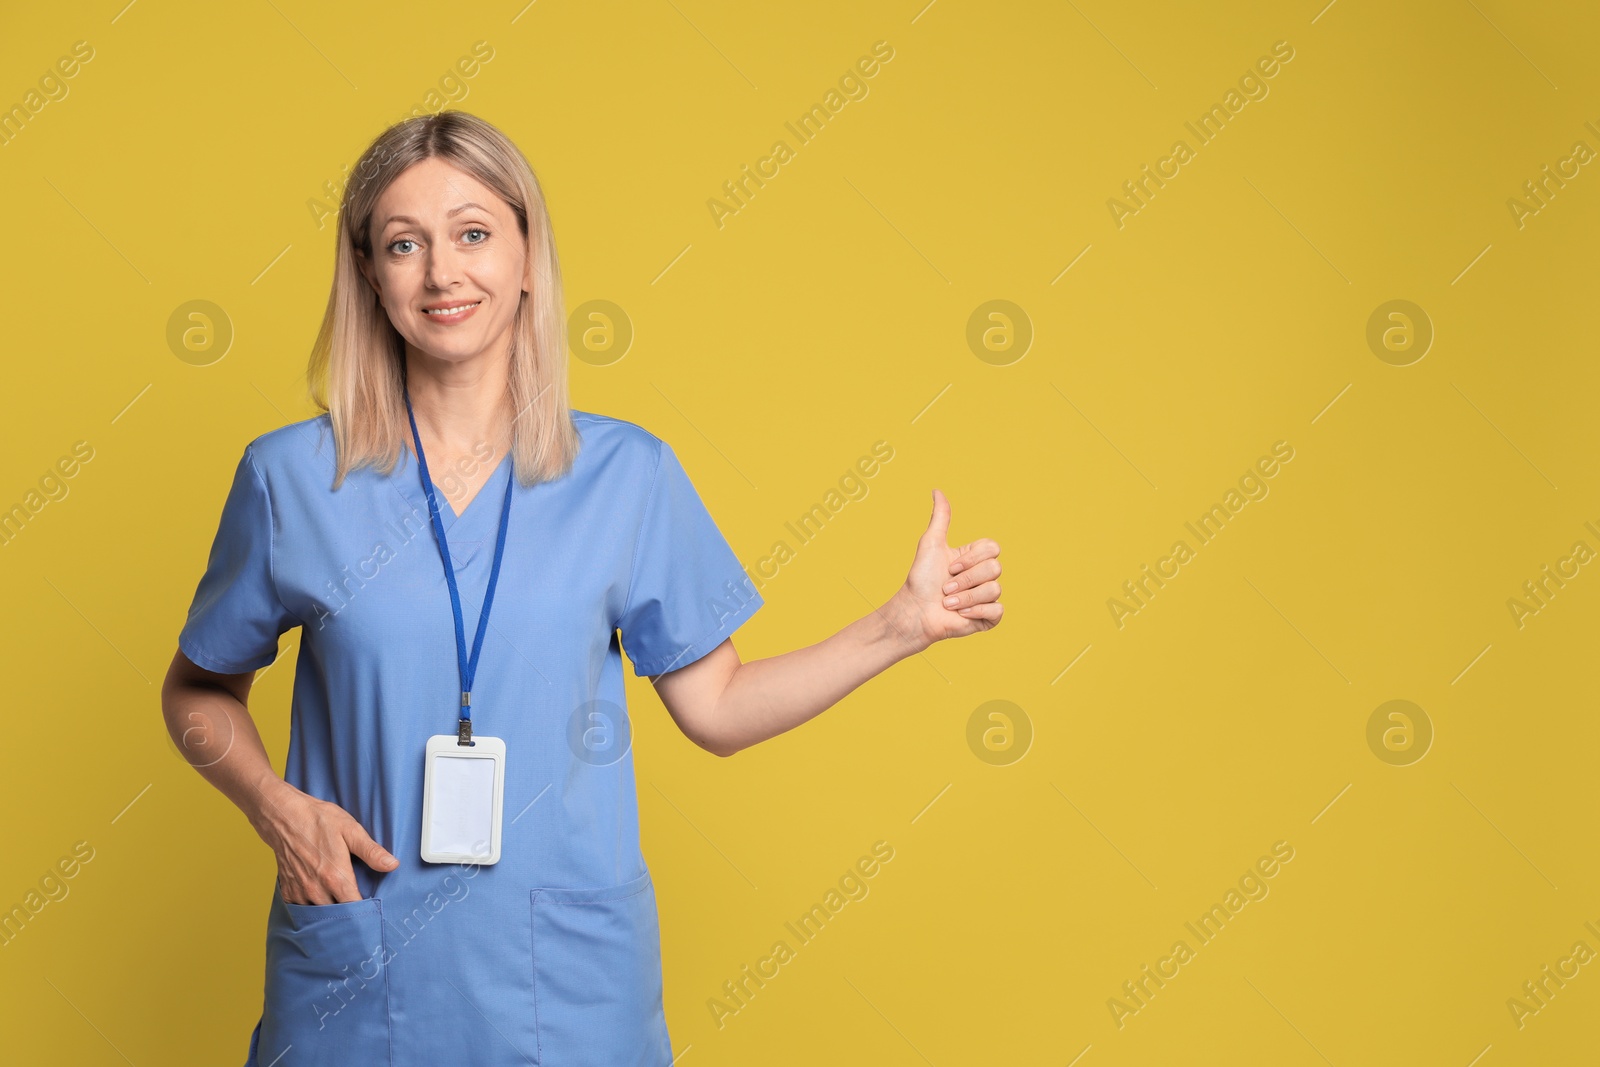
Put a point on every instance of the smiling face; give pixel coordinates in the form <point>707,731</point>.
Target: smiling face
<point>448,262</point>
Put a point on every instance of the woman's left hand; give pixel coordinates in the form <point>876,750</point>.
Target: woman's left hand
<point>967,573</point>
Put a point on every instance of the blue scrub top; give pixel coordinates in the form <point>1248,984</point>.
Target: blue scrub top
<point>552,955</point>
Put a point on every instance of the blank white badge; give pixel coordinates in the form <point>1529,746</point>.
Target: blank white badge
<point>463,789</point>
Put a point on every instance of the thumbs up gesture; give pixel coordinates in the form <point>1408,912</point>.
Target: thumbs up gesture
<point>952,591</point>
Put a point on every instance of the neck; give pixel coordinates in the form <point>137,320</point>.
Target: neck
<point>459,405</point>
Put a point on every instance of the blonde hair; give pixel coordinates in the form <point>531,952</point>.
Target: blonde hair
<point>356,363</point>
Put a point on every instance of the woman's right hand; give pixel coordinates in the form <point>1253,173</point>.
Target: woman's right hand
<point>314,841</point>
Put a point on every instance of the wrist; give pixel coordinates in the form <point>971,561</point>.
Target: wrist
<point>266,802</point>
<point>903,619</point>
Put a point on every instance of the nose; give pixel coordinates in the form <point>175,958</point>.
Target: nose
<point>443,267</point>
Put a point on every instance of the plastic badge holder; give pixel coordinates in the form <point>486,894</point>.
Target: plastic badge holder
<point>463,793</point>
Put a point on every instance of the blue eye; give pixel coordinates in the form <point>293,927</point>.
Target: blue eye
<point>402,241</point>
<point>479,229</point>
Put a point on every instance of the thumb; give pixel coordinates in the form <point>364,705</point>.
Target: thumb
<point>939,524</point>
<point>364,848</point>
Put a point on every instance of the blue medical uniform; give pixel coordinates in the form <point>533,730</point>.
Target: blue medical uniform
<point>552,955</point>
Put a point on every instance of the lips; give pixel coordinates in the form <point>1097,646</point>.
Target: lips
<point>452,310</point>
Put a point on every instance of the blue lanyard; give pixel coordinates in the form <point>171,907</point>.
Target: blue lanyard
<point>468,666</point>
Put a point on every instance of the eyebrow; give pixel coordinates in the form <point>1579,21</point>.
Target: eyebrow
<point>452,213</point>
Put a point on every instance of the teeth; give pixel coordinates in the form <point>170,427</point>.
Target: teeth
<point>452,311</point>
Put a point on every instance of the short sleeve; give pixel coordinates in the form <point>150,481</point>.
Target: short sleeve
<point>688,592</point>
<point>236,616</point>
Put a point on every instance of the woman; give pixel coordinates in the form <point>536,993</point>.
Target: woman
<point>441,366</point>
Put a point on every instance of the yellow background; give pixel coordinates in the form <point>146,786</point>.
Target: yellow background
<point>832,312</point>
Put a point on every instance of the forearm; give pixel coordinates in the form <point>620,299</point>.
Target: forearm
<point>215,734</point>
<point>312,840</point>
<point>767,697</point>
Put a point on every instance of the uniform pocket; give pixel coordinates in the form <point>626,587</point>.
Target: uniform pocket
<point>597,977</point>
<point>327,992</point>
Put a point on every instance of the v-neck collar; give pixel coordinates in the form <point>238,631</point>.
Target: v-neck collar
<point>470,520</point>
